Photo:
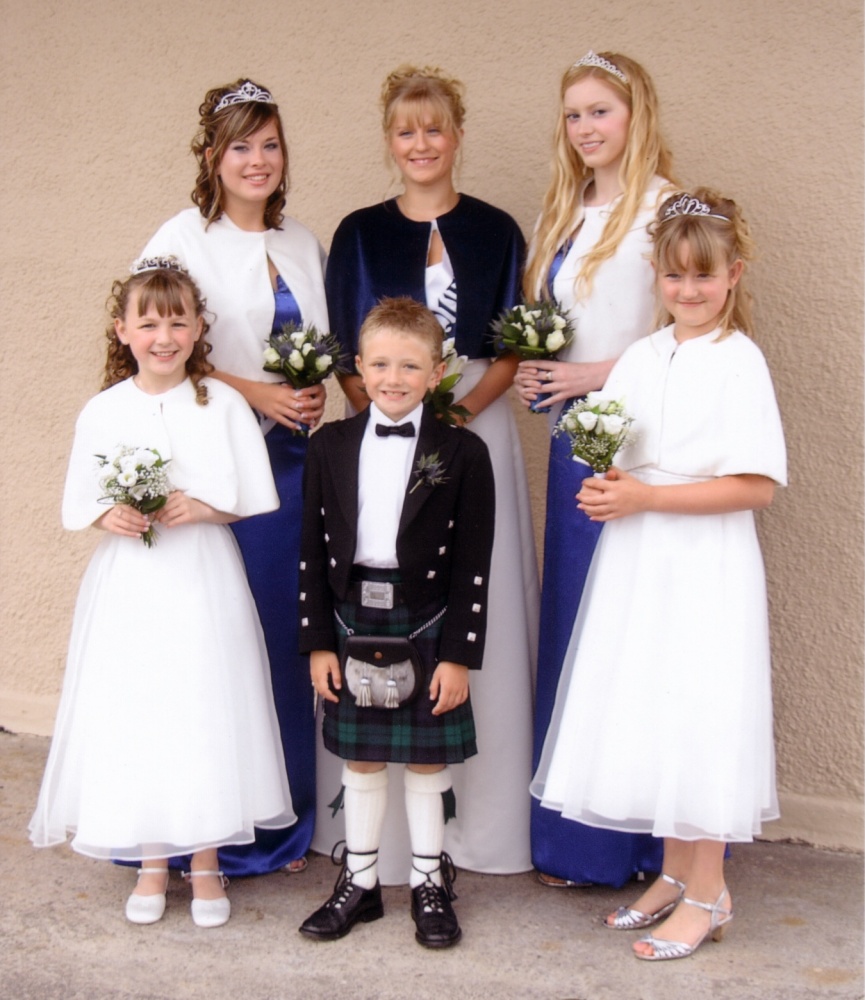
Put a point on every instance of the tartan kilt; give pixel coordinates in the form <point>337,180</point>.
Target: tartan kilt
<point>410,734</point>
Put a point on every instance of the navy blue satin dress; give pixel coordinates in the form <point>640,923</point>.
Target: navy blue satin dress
<point>270,544</point>
<point>563,847</point>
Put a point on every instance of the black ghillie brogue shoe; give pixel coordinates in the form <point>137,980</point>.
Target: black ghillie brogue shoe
<point>431,910</point>
<point>347,905</point>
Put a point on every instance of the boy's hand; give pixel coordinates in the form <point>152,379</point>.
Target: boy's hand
<point>324,665</point>
<point>449,686</point>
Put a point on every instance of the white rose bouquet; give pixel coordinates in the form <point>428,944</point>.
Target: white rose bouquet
<point>537,330</point>
<point>598,428</point>
<point>442,397</point>
<point>137,478</point>
<point>303,355</point>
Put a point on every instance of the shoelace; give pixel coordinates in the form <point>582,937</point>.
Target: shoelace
<point>448,873</point>
<point>344,885</point>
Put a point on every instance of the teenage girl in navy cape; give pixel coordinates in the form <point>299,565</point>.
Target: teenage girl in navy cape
<point>462,258</point>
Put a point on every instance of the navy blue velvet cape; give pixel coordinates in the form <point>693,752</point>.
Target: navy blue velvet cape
<point>378,252</point>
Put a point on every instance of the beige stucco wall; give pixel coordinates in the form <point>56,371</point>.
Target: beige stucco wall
<point>762,101</point>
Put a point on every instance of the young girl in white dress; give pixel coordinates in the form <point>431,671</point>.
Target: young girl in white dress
<point>166,741</point>
<point>663,717</point>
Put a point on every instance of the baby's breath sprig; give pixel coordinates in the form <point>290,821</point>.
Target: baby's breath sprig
<point>135,477</point>
<point>597,428</point>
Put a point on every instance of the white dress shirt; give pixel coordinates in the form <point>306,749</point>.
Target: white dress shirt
<point>383,474</point>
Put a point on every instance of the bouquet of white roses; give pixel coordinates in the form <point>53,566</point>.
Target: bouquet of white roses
<point>303,355</point>
<point>535,330</point>
<point>442,397</point>
<point>598,428</point>
<point>538,330</point>
<point>135,477</point>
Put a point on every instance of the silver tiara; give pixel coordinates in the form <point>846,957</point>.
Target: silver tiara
<point>167,262</point>
<point>687,204</point>
<point>245,93</point>
<point>590,59</point>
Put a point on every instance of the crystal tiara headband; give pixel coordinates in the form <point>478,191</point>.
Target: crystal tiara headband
<point>168,262</point>
<point>689,205</point>
<point>245,93</point>
<point>590,59</point>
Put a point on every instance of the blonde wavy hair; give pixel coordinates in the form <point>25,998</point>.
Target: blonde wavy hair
<point>707,243</point>
<point>217,131</point>
<point>170,292</point>
<point>646,155</point>
<point>415,89</point>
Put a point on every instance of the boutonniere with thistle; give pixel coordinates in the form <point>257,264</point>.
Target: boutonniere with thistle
<point>428,471</point>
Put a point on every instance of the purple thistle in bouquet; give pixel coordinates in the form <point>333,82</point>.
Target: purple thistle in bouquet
<point>534,331</point>
<point>304,356</point>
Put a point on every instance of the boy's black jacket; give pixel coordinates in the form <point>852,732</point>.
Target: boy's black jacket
<point>444,541</point>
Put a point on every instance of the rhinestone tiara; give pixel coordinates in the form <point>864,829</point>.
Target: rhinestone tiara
<point>590,59</point>
<point>167,262</point>
<point>245,93</point>
<point>687,204</point>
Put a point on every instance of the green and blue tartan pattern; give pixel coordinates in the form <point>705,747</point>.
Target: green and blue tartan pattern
<point>410,734</point>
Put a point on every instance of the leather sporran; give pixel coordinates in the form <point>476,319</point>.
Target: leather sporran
<point>382,671</point>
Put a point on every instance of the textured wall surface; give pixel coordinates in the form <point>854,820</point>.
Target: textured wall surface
<point>761,101</point>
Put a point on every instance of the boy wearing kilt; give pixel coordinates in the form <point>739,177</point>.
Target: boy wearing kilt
<point>395,556</point>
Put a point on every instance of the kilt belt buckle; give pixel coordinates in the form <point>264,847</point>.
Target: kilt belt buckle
<point>376,594</point>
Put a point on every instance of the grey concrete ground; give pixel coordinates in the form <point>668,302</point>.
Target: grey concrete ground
<point>798,932</point>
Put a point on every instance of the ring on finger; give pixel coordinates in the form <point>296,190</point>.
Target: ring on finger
<point>549,375</point>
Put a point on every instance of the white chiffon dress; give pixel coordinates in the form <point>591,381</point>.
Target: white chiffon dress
<point>663,715</point>
<point>166,740</point>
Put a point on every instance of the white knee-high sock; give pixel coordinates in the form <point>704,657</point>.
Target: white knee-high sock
<point>426,823</point>
<point>365,803</point>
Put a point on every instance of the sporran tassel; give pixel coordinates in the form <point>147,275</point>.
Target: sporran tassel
<point>391,698</point>
<point>364,696</point>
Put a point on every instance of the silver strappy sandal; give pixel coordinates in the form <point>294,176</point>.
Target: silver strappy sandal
<point>663,951</point>
<point>627,919</point>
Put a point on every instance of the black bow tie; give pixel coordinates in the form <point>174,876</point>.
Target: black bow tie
<point>405,430</point>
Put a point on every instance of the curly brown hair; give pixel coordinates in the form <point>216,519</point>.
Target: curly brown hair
<point>170,292</point>
<point>217,130</point>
